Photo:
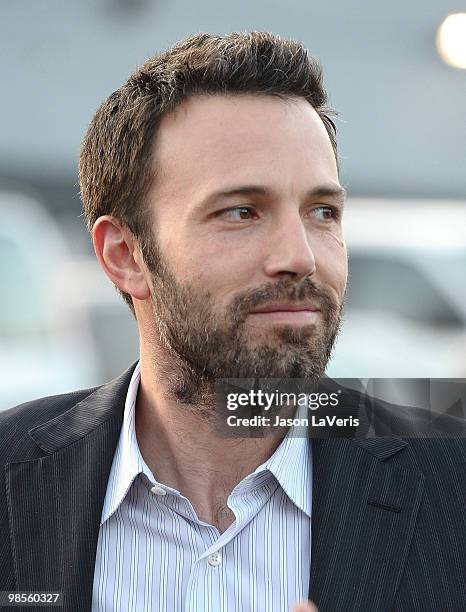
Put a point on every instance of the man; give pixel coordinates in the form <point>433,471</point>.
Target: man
<point>210,184</point>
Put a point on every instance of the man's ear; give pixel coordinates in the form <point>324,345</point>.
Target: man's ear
<point>118,253</point>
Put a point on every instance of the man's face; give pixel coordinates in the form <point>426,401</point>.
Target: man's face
<point>246,211</point>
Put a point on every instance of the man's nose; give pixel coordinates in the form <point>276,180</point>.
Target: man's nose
<point>290,250</point>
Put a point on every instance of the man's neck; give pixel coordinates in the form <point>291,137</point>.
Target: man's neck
<point>183,451</point>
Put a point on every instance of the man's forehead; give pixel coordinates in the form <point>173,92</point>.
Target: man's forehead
<point>236,135</point>
<point>215,120</point>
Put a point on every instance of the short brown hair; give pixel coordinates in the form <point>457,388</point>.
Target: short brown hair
<point>116,166</point>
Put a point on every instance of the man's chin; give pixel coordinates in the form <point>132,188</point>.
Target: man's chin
<point>284,338</point>
<point>273,362</point>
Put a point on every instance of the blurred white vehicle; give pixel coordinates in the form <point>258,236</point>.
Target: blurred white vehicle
<point>46,345</point>
<point>406,303</point>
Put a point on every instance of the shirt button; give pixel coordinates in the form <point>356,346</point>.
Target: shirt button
<point>215,559</point>
<point>156,490</point>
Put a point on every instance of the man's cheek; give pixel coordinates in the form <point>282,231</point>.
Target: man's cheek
<point>332,262</point>
<point>334,240</point>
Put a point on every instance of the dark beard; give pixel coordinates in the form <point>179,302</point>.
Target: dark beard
<point>206,345</point>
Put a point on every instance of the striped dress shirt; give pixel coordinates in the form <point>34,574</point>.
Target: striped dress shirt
<point>154,554</point>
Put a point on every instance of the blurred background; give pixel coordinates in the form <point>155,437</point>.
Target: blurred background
<point>394,71</point>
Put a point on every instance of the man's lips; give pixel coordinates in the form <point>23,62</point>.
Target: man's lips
<point>286,307</point>
<point>286,312</point>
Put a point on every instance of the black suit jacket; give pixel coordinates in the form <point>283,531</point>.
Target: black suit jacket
<point>388,522</point>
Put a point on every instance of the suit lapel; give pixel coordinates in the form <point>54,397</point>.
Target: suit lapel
<point>364,512</point>
<point>55,501</point>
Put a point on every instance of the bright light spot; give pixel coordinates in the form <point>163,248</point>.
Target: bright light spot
<point>451,40</point>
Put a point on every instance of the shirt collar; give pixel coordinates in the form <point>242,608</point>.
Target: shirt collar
<point>128,461</point>
<point>291,463</point>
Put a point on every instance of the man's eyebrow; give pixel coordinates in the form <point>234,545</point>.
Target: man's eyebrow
<point>332,190</point>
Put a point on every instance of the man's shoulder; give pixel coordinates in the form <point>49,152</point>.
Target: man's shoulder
<point>378,417</point>
<point>43,408</point>
<point>451,450</point>
<point>63,418</point>
<point>416,422</point>
<point>16,422</point>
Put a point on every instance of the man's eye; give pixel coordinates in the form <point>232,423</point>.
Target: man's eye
<point>240,213</point>
<point>324,213</point>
